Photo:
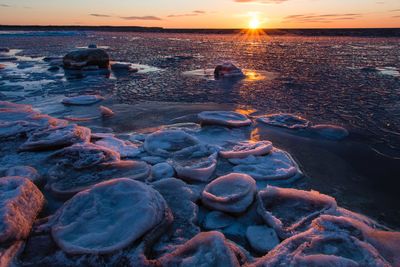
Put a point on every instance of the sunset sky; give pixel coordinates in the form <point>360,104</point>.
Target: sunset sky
<point>204,13</point>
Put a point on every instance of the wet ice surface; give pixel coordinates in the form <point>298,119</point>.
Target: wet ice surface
<point>363,101</point>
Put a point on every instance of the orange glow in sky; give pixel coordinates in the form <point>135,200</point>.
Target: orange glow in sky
<point>205,13</point>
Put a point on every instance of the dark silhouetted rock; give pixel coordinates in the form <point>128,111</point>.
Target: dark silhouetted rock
<point>84,58</point>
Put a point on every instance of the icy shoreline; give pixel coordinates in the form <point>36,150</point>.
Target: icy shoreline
<point>181,201</point>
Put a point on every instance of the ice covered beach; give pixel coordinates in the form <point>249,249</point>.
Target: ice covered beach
<point>97,177</point>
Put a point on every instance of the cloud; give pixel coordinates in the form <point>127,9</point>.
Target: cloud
<point>182,15</point>
<point>321,18</point>
<point>192,14</point>
<point>141,18</point>
<point>100,15</point>
<point>4,5</point>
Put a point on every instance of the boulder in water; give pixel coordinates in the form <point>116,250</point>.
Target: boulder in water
<point>82,58</point>
<point>108,217</point>
<point>230,193</point>
<point>227,70</point>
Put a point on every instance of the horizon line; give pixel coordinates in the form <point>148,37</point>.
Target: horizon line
<point>191,28</point>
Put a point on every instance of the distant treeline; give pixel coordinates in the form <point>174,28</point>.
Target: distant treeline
<point>369,32</point>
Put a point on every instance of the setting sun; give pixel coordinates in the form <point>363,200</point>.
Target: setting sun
<point>254,23</point>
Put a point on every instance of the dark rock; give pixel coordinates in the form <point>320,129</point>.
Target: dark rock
<point>227,70</point>
<point>85,58</point>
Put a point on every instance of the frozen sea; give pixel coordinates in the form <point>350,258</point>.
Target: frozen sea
<point>347,81</point>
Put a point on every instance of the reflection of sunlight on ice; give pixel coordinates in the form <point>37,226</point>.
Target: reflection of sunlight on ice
<point>255,135</point>
<point>253,35</point>
<point>245,111</point>
<point>250,75</point>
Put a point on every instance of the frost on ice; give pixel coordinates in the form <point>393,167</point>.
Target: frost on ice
<point>80,166</point>
<point>231,193</point>
<point>17,120</point>
<point>262,238</point>
<point>385,242</point>
<point>162,170</point>
<point>109,220</point>
<point>109,216</point>
<point>20,203</point>
<point>326,245</point>
<point>224,118</point>
<point>205,249</point>
<point>217,220</point>
<point>165,143</point>
<point>247,148</point>
<point>196,163</point>
<point>57,137</point>
<point>285,120</point>
<point>289,210</point>
<point>275,166</point>
<point>181,200</point>
<point>26,172</point>
<point>125,148</point>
